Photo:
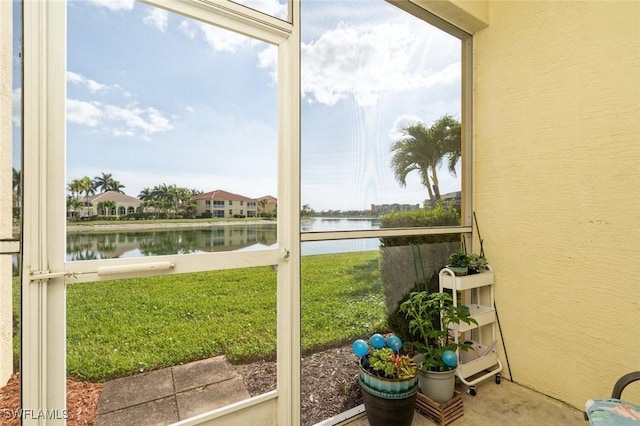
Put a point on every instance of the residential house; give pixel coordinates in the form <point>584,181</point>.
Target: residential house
<point>124,205</point>
<point>219,203</point>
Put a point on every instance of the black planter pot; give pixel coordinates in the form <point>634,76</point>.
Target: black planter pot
<point>389,409</point>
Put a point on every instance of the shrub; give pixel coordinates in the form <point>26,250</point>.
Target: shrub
<point>443,214</point>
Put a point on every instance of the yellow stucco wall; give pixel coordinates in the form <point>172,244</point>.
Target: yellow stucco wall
<point>557,188</point>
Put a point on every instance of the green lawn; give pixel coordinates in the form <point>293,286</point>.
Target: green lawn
<point>116,328</point>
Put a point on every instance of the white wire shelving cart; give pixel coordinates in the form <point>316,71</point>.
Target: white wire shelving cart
<point>477,293</point>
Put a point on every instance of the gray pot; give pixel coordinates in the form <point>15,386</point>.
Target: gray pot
<point>436,385</point>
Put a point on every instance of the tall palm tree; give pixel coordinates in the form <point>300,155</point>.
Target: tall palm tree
<point>17,187</point>
<point>116,186</point>
<point>146,194</point>
<point>106,182</point>
<point>85,186</point>
<point>423,149</point>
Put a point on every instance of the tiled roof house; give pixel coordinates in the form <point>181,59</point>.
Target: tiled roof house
<point>125,204</point>
<point>219,203</point>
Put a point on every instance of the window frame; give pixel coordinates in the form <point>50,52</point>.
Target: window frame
<point>45,272</point>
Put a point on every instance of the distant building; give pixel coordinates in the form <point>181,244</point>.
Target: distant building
<point>221,203</point>
<point>124,205</point>
<point>379,209</point>
<point>456,197</point>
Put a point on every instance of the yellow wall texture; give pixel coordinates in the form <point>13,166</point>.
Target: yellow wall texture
<point>557,188</point>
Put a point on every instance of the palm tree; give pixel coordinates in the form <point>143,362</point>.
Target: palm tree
<point>85,185</point>
<point>17,187</point>
<point>106,182</point>
<point>146,194</point>
<point>105,207</point>
<point>116,186</point>
<point>424,149</point>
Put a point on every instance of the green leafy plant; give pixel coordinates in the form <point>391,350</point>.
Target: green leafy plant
<point>430,315</point>
<point>385,363</point>
<point>459,259</point>
<point>477,262</point>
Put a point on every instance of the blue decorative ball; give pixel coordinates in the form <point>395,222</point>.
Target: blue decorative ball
<point>394,343</point>
<point>377,341</point>
<point>449,358</point>
<point>360,348</point>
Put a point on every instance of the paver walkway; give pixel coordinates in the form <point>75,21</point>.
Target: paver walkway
<point>161,397</point>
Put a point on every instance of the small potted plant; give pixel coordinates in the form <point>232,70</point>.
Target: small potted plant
<point>430,315</point>
<point>387,380</point>
<point>459,262</point>
<point>477,263</point>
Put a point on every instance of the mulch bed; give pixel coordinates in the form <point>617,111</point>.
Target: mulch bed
<point>82,402</point>
<point>329,386</point>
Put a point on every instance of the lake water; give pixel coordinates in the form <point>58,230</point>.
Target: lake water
<point>216,238</point>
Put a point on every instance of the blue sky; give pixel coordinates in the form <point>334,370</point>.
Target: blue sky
<point>153,97</point>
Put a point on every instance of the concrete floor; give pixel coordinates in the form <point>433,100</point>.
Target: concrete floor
<point>504,404</point>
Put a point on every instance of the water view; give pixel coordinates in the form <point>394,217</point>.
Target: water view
<point>82,245</point>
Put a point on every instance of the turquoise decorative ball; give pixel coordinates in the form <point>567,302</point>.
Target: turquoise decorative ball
<point>360,348</point>
<point>377,341</point>
<point>394,343</point>
<point>449,358</point>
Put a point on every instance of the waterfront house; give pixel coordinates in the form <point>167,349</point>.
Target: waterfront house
<point>219,203</point>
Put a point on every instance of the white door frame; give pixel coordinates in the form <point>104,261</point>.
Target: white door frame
<point>44,270</point>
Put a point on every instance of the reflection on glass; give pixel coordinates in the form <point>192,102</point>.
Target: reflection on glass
<point>351,295</point>
<point>167,118</point>
<point>380,115</point>
<point>196,329</point>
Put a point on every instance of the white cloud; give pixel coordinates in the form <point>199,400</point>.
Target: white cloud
<point>91,85</point>
<point>87,113</point>
<point>367,60</point>
<point>148,120</point>
<point>270,7</point>
<point>114,4</point>
<point>157,18</point>
<point>221,40</point>
<point>186,27</point>
<point>401,122</point>
<point>268,59</point>
<point>16,96</point>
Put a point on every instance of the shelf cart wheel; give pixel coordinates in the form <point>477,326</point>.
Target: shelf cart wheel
<point>497,379</point>
<point>472,391</point>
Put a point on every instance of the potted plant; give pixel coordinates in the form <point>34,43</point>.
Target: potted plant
<point>477,263</point>
<point>459,262</point>
<point>430,315</point>
<point>387,380</point>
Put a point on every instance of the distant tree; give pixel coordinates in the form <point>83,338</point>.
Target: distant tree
<point>307,211</point>
<point>85,186</point>
<point>106,182</point>
<point>73,203</point>
<point>17,187</point>
<point>105,207</point>
<point>263,206</point>
<point>146,194</point>
<point>423,149</point>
